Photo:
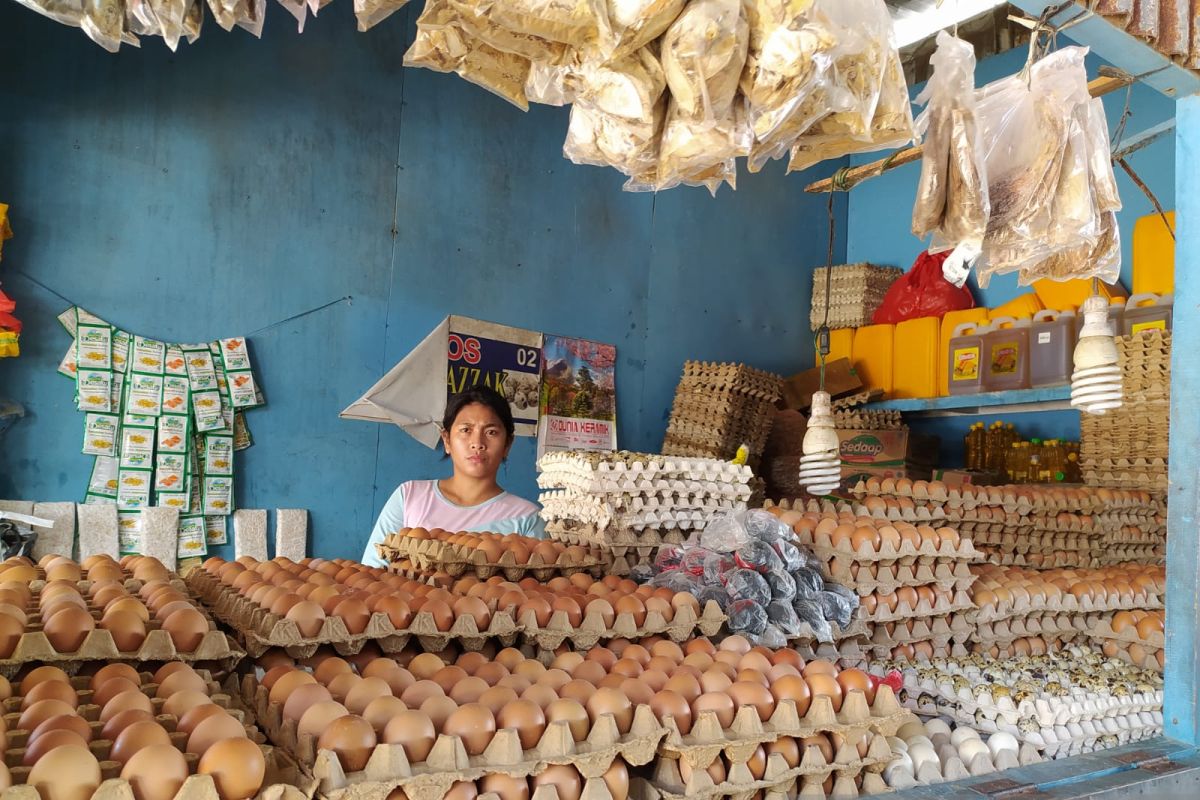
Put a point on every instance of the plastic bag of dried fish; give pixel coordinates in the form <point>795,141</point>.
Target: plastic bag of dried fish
<point>225,12</point>
<point>952,199</point>
<point>370,13</point>
<point>618,115</point>
<point>67,12</point>
<point>866,93</point>
<point>1025,124</point>
<point>170,17</point>
<point>104,23</point>
<point>790,54</point>
<point>552,84</point>
<point>637,23</point>
<point>442,45</point>
<point>474,17</point>
<point>582,24</point>
<point>252,14</point>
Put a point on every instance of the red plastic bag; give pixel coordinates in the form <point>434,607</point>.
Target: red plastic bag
<point>922,292</point>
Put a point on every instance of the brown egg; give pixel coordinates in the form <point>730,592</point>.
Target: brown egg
<point>573,713</point>
<point>414,731</point>
<point>438,709</point>
<point>156,772</point>
<point>381,710</point>
<point>36,749</point>
<point>719,703</point>
<point>590,671</point>
<point>51,690</point>
<point>195,715</point>
<point>672,704</point>
<point>755,695</point>
<point>857,680</point>
<point>352,740</point>
<point>614,702</point>
<point>331,667</point>
<point>287,683</point>
<point>819,667</point>
<point>361,695</point>
<point>237,766</point>
<point>563,777</point>
<point>187,628</point>
<point>616,778</point>
<point>1148,625</point>
<point>821,684</point>
<point>425,666</point>
<point>526,718</point>
<point>112,688</point>
<point>135,738</point>
<point>110,671</point>
<point>421,691</point>
<point>448,677</point>
<point>67,722</point>
<point>468,690</point>
<point>341,685</point>
<point>319,716</point>
<point>212,730</point>
<point>474,724</point>
<point>11,630</point>
<point>43,710</point>
<point>66,773</point>
<point>181,681</point>
<point>506,786</point>
<point>497,697</point>
<point>441,613</point>
<point>786,747</point>
<point>303,698</point>
<point>178,703</point>
<point>308,616</point>
<point>462,790</point>
<point>68,627</point>
<point>716,771</point>
<point>822,743</point>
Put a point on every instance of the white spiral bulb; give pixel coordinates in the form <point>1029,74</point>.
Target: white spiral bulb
<point>1096,381</point>
<point>820,463</point>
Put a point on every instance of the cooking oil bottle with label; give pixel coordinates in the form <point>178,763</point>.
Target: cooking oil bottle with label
<point>1146,312</point>
<point>966,359</point>
<point>1006,355</point>
<point>1051,348</point>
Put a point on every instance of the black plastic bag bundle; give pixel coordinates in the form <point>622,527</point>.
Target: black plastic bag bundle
<point>783,585</point>
<point>747,616</point>
<point>783,616</point>
<point>758,556</point>
<point>714,592</point>
<point>766,527</point>
<point>810,579</point>
<point>716,565</point>
<point>744,584</point>
<point>790,555</point>
<point>668,558</point>
<point>849,595</point>
<point>835,608</point>
<point>693,560</point>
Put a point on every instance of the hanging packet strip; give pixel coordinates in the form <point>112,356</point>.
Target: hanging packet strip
<point>215,533</point>
<point>217,496</point>
<point>243,390</point>
<point>206,397</point>
<point>192,536</point>
<point>100,434</point>
<point>146,377</point>
<point>223,388</point>
<point>102,485</point>
<point>129,532</point>
<point>93,376</point>
<point>120,350</point>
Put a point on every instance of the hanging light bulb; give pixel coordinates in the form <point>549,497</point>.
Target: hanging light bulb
<point>820,462</point>
<point>1096,381</point>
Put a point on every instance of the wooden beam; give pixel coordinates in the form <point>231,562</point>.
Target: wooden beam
<point>844,180</point>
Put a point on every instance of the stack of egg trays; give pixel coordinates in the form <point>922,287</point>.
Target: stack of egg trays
<point>261,630</point>
<point>720,407</point>
<point>33,647</point>
<point>283,779</point>
<point>708,740</point>
<point>855,293</point>
<point>1100,630</point>
<point>457,561</point>
<point>388,768</point>
<point>683,626</point>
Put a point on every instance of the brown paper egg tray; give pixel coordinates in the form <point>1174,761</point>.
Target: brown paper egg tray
<point>1020,499</point>
<point>283,781</point>
<point>942,608</point>
<point>667,781</point>
<point>1008,649</point>
<point>260,630</point>
<point>448,762</point>
<point>1066,604</point>
<point>707,739</point>
<point>618,541</point>
<point>906,553</point>
<point>1047,626</point>
<point>940,628</point>
<point>1148,661</point>
<point>1102,629</point>
<point>683,626</point>
<point>1047,561</point>
<point>10,708</point>
<point>34,647</point>
<point>458,561</point>
<point>947,576</point>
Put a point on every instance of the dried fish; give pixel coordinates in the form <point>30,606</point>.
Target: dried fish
<point>251,16</point>
<point>298,9</point>
<point>225,12</point>
<point>193,20</point>
<point>370,13</point>
<point>104,23</point>
<point>473,17</point>
<point>636,23</point>
<point>170,15</point>
<point>582,24</point>
<point>703,53</point>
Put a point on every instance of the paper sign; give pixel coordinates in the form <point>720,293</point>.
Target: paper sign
<point>578,397</point>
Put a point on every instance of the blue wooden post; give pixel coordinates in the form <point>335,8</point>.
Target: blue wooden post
<point>1183,536</point>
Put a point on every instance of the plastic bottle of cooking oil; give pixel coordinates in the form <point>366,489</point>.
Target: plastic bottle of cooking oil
<point>1148,312</point>
<point>1034,474</point>
<point>1006,355</point>
<point>966,356</point>
<point>1051,348</point>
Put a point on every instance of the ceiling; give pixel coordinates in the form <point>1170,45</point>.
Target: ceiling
<point>917,20</point>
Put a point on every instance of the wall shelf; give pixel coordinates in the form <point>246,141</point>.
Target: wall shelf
<point>1020,401</point>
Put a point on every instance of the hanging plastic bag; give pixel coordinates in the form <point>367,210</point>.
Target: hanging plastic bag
<point>618,113</point>
<point>370,13</point>
<point>952,195</point>
<point>252,15</point>
<point>104,23</point>
<point>703,53</point>
<point>581,24</point>
<point>789,56</point>
<point>748,617</point>
<point>193,20</point>
<point>66,12</point>
<point>700,152</point>
<point>637,23</point>
<point>922,292</point>
<point>225,12</point>
<point>552,84</point>
<point>725,533</point>
<point>170,16</point>
<point>443,46</point>
<point>473,17</point>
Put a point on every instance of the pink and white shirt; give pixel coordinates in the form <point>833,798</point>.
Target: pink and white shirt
<point>421,504</point>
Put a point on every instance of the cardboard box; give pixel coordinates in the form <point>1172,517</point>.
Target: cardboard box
<point>840,379</point>
<point>887,449</point>
<point>959,477</point>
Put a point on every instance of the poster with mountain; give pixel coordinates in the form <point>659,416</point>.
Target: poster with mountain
<point>579,395</point>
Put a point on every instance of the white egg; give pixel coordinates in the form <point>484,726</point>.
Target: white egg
<point>936,725</point>
<point>969,748</point>
<point>922,753</point>
<point>898,775</point>
<point>910,729</point>
<point>898,745</point>
<point>1001,741</point>
<point>961,735</point>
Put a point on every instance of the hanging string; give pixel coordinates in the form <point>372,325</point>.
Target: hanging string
<point>822,341</point>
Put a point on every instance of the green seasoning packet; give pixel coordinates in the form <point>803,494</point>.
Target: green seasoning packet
<point>192,540</point>
<point>100,434</point>
<point>215,531</point>
<point>129,532</point>
<point>242,386</point>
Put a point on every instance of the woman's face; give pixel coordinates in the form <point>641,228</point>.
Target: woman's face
<point>477,442</point>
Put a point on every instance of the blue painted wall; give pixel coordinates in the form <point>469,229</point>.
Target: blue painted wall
<point>219,190</point>
<point>880,219</point>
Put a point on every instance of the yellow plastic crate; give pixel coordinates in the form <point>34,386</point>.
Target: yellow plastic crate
<point>1153,255</point>
<point>950,321</point>
<point>1025,305</point>
<point>873,355</point>
<point>914,358</point>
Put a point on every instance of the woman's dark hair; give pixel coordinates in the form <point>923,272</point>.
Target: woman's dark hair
<point>483,395</point>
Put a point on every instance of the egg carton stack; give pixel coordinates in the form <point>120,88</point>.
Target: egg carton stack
<point>855,293</point>
<point>1128,447</point>
<point>1033,612</point>
<point>487,554</point>
<point>1060,705</point>
<point>913,578</point>
<point>813,736</point>
<point>854,419</point>
<point>60,612</point>
<point>1135,637</point>
<point>630,504</point>
<point>932,751</point>
<point>719,408</point>
<point>395,727</point>
<point>172,733</point>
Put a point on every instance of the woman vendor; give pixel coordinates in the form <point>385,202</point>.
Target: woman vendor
<point>477,432</point>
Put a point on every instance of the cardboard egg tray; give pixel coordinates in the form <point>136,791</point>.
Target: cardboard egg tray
<point>283,781</point>
<point>1149,659</point>
<point>1066,604</point>
<point>1018,499</point>
<point>960,602</point>
<point>821,546</point>
<point>448,762</point>
<point>667,782</point>
<point>429,554</point>
<point>618,541</point>
<point>683,626</point>
<point>1009,649</point>
<point>624,472</point>
<point>693,514</point>
<point>261,630</point>
<point>941,629</point>
<point>950,576</point>
<point>1101,628</point>
<point>859,420</point>
<point>707,739</point>
<point>1048,626</point>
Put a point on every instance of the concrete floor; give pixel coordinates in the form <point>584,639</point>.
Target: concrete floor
<point>1158,768</point>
